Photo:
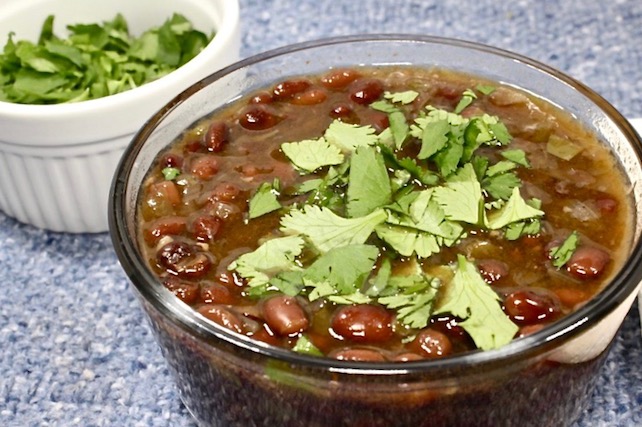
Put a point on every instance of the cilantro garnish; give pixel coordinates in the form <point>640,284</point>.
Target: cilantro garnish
<point>303,345</point>
<point>94,61</point>
<point>562,253</point>
<point>170,173</point>
<point>374,198</point>
<point>264,199</point>
<point>470,298</point>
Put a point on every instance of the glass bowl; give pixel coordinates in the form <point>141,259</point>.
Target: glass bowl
<point>228,379</point>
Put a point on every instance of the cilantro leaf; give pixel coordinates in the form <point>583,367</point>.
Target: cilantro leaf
<point>562,147</point>
<point>407,242</point>
<point>485,89</point>
<point>469,297</point>
<point>501,186</point>
<point>273,256</point>
<point>562,253</point>
<point>348,137</point>
<point>369,184</point>
<point>170,173</point>
<point>516,209</point>
<point>433,138</point>
<point>303,345</point>
<point>264,200</point>
<point>414,299</point>
<point>312,154</point>
<point>467,98</point>
<point>405,97</point>
<point>326,230</point>
<point>517,156</point>
<point>461,197</point>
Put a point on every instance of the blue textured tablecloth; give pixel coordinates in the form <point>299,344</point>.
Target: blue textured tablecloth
<point>74,346</point>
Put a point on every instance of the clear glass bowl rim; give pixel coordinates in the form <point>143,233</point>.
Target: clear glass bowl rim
<point>553,336</point>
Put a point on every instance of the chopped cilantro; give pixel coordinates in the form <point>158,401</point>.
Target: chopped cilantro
<point>562,147</point>
<point>348,137</point>
<point>326,230</point>
<point>264,200</point>
<point>369,183</point>
<point>303,345</point>
<point>469,297</point>
<point>170,174</point>
<point>485,89</point>
<point>517,156</point>
<point>414,299</point>
<point>516,209</point>
<point>467,98</point>
<point>94,61</point>
<point>461,198</point>
<point>562,253</point>
<point>312,154</point>
<point>405,97</point>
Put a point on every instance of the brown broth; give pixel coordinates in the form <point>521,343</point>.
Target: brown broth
<point>584,194</point>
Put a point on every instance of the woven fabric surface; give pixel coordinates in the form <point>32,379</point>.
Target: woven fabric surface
<point>75,348</point>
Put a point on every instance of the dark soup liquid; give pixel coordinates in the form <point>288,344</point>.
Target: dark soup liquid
<point>385,214</point>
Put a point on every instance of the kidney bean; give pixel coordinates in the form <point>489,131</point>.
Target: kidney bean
<point>492,270</point>
<point>161,199</point>
<point>185,291</point>
<point>195,146</point>
<point>363,323</point>
<point>407,357</point>
<point>345,113</point>
<point>267,336</point>
<point>215,293</point>
<point>216,137</point>
<point>225,192</point>
<point>339,78</point>
<point>230,278</point>
<point>379,121</point>
<point>530,306</point>
<point>171,160</point>
<point>448,325</point>
<point>258,117</point>
<point>261,98</point>
<point>358,355</point>
<point>588,262</point>
<point>284,315</point>
<point>309,97</point>
<point>366,90</point>
<point>205,166</point>
<point>431,343</point>
<point>288,89</point>
<point>205,227</point>
<point>183,259</point>
<point>166,226</point>
<point>222,316</point>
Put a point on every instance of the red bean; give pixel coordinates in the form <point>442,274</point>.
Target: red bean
<point>529,329</point>
<point>183,259</point>
<point>195,146</point>
<point>284,315</point>
<point>448,325</point>
<point>571,297</point>
<point>206,227</point>
<point>205,166</point>
<point>340,78</point>
<point>223,317</point>
<point>309,97</point>
<point>407,357</point>
<point>185,291</point>
<point>431,344</point>
<point>379,121</point>
<point>530,306</point>
<point>492,270</point>
<point>166,226</point>
<point>225,192</point>
<point>358,355</point>
<point>261,98</point>
<point>258,117</point>
<point>161,199</point>
<point>216,293</point>
<point>588,262</point>
<point>366,91</point>
<point>229,278</point>
<point>216,137</point>
<point>345,113</point>
<point>289,88</point>
<point>171,160</point>
<point>363,323</point>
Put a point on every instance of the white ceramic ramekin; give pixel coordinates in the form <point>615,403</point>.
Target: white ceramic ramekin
<point>57,161</point>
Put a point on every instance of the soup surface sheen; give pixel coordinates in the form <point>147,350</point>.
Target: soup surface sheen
<point>385,214</point>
